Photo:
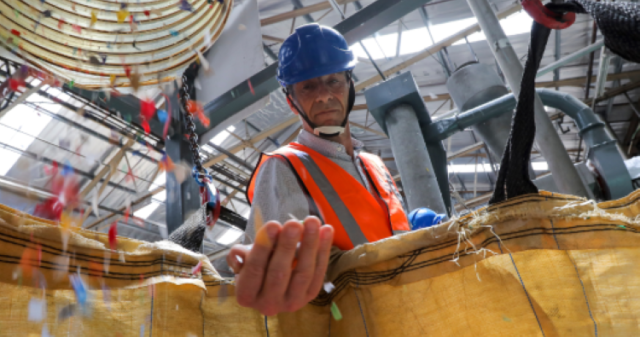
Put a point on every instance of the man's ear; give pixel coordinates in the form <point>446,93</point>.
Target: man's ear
<point>295,111</point>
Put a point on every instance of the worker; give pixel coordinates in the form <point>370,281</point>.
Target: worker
<point>345,196</point>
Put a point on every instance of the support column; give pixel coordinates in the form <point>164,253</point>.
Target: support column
<point>399,109</point>
<point>410,152</point>
<point>182,198</point>
<point>564,173</point>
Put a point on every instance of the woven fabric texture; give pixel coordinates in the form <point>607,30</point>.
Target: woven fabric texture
<point>540,264</point>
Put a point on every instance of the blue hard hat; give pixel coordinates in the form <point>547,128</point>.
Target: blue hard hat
<point>313,51</point>
<point>424,217</point>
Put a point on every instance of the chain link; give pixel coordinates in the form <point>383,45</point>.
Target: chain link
<point>191,125</point>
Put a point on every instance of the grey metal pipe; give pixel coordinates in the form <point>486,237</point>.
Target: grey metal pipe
<point>564,173</point>
<point>601,147</point>
<point>603,150</point>
<point>412,158</point>
<point>570,58</point>
<point>475,84</point>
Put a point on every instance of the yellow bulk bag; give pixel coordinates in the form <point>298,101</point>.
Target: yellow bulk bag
<point>545,264</point>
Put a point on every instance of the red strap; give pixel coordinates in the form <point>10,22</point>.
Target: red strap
<point>546,17</point>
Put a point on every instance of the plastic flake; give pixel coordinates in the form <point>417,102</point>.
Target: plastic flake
<point>198,267</point>
<point>197,109</point>
<point>251,87</point>
<point>37,309</point>
<point>67,312</point>
<point>203,61</point>
<point>77,28</point>
<point>185,6</point>
<point>79,288</point>
<point>173,32</point>
<point>94,205</point>
<point>162,115</point>
<point>27,261</point>
<point>335,312</point>
<point>113,233</point>
<point>106,296</point>
<point>94,18</point>
<point>45,331</point>
<point>122,15</point>
<point>147,109</point>
<point>16,84</point>
<point>328,287</point>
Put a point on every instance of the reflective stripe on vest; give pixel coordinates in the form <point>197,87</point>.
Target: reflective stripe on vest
<point>342,201</point>
<point>387,191</point>
<point>346,219</point>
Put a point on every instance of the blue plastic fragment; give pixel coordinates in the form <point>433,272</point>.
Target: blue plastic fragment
<point>79,288</point>
<point>162,115</point>
<point>67,169</point>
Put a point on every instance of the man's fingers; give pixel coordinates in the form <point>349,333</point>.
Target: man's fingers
<point>236,257</point>
<point>255,265</point>
<point>322,261</point>
<point>279,271</point>
<point>305,268</point>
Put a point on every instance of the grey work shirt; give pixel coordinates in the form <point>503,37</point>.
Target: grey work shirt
<point>277,190</point>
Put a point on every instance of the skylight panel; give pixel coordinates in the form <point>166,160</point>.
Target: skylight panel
<point>161,197</point>
<point>146,211</point>
<point>224,134</point>
<point>415,40</point>
<point>482,168</point>
<point>21,118</point>
<point>229,237</point>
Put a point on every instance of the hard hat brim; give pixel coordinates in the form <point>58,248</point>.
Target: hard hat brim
<point>317,72</point>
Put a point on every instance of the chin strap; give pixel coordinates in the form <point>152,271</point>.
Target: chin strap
<point>327,131</point>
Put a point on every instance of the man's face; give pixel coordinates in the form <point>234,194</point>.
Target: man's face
<point>324,99</point>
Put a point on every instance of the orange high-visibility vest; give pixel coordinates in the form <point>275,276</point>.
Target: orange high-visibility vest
<point>339,200</point>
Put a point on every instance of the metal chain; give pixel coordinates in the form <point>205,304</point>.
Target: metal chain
<point>191,126</point>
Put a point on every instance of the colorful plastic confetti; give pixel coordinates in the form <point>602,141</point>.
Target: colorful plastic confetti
<point>122,15</point>
<point>79,288</point>
<point>94,205</point>
<point>251,87</point>
<point>37,309</point>
<point>162,115</point>
<point>15,84</point>
<point>196,270</point>
<point>185,6</point>
<point>106,296</point>
<point>197,109</point>
<point>67,312</point>
<point>94,18</point>
<point>328,287</point>
<point>335,312</point>
<point>113,236</point>
<point>203,61</point>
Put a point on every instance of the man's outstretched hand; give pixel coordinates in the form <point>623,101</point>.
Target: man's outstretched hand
<point>268,279</point>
